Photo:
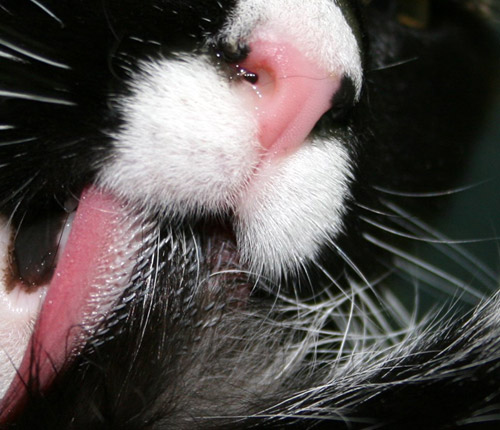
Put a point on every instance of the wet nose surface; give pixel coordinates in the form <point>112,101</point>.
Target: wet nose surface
<point>289,93</point>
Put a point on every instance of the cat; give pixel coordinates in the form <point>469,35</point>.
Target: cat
<point>213,213</point>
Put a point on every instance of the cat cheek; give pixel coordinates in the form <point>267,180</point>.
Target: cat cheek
<point>188,143</point>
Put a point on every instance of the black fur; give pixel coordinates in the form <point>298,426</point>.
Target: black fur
<point>174,354</point>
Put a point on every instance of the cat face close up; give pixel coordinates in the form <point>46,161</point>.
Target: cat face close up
<point>209,212</point>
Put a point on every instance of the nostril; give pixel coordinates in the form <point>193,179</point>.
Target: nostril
<point>248,76</point>
<point>289,91</point>
<point>234,56</point>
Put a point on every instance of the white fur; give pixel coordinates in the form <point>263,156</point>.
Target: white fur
<point>319,29</point>
<point>190,146</point>
<point>294,206</point>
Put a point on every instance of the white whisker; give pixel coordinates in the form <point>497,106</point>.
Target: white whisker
<point>47,11</point>
<point>439,285</point>
<point>395,64</point>
<point>422,264</point>
<point>426,239</point>
<point>32,55</point>
<point>463,257</point>
<point>348,326</point>
<point>430,194</point>
<point>9,56</point>
<point>15,142</point>
<point>36,98</point>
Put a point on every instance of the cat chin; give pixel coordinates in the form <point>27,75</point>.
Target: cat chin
<point>299,201</point>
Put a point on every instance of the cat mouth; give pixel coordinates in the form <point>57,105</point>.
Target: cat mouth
<point>69,290</point>
<point>69,286</point>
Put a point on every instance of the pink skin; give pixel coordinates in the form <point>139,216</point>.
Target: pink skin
<point>291,95</point>
<point>85,259</point>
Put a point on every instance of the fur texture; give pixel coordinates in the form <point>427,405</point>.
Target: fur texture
<point>270,292</point>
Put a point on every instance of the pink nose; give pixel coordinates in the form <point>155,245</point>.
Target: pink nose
<point>290,92</point>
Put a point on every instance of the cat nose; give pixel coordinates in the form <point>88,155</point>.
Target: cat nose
<point>289,90</point>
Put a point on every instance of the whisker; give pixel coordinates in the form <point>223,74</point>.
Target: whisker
<point>400,312</point>
<point>377,312</point>
<point>437,283</point>
<point>47,11</point>
<point>395,64</point>
<point>347,328</point>
<point>197,253</point>
<point>426,239</point>
<point>349,262</point>
<point>380,324</point>
<point>356,269</point>
<point>461,255</point>
<point>10,56</point>
<point>36,98</point>
<point>15,142</point>
<point>430,194</point>
<point>376,211</point>
<point>22,188</point>
<point>32,55</point>
<point>423,265</point>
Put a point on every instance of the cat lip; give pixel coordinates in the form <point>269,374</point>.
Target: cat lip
<point>104,236</point>
<point>88,278</point>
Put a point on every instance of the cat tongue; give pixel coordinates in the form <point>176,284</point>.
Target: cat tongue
<point>81,276</point>
<point>292,91</point>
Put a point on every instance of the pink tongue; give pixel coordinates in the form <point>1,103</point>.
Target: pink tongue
<point>292,92</point>
<point>85,259</point>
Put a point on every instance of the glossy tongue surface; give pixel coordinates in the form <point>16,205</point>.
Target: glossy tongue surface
<point>292,91</point>
<point>82,273</point>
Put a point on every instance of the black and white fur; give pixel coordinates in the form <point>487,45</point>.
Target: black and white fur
<point>266,299</point>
